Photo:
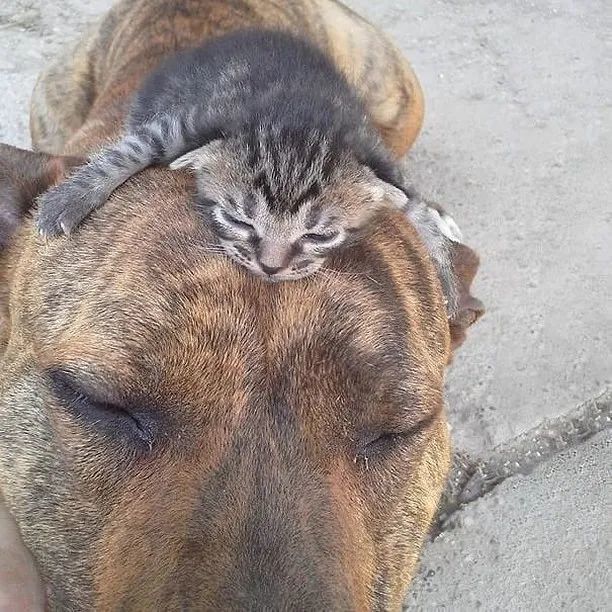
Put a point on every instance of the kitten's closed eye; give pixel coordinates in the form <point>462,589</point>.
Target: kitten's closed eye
<point>237,223</point>
<point>320,238</point>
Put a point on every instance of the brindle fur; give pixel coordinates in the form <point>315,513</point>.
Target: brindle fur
<point>256,493</point>
<point>142,32</point>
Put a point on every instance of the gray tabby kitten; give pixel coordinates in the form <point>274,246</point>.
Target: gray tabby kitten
<point>287,162</point>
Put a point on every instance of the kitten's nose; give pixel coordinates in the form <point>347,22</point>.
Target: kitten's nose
<point>272,256</point>
<point>269,270</point>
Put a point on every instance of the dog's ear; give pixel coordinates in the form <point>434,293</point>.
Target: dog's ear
<point>468,309</point>
<point>23,176</point>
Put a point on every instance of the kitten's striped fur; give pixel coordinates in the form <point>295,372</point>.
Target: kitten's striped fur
<point>289,161</point>
<point>287,158</point>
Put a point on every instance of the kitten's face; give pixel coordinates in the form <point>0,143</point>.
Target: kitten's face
<point>281,210</point>
<point>277,247</point>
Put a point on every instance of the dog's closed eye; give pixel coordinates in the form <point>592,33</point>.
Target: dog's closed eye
<point>113,421</point>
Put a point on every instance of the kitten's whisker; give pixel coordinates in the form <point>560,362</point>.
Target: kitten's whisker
<point>331,272</point>
<point>213,247</point>
<point>220,251</point>
<point>215,252</point>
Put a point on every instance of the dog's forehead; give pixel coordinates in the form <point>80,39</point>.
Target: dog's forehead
<point>140,291</point>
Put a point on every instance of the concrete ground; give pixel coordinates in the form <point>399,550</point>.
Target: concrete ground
<point>518,145</point>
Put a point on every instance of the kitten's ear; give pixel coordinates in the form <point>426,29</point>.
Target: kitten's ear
<point>23,176</point>
<point>394,196</point>
<point>199,158</point>
<point>384,193</point>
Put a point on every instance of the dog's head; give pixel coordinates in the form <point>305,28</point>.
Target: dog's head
<point>177,434</point>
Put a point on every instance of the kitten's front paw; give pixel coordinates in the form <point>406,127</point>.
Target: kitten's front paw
<point>61,209</point>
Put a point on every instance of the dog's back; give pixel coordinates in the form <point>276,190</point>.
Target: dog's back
<point>137,36</point>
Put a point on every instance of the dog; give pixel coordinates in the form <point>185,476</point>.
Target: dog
<point>177,434</point>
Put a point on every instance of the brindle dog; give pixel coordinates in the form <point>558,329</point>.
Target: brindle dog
<point>176,434</point>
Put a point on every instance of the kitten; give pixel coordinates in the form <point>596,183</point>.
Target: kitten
<point>287,162</point>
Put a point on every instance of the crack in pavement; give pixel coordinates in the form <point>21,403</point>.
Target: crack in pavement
<point>473,477</point>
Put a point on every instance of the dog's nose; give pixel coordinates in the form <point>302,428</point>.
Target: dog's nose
<point>270,270</point>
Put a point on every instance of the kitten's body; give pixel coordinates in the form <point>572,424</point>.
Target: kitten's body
<point>287,160</point>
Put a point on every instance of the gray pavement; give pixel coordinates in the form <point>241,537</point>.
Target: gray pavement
<point>526,547</point>
<point>518,146</point>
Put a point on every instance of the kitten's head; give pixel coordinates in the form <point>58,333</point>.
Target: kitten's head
<point>282,201</point>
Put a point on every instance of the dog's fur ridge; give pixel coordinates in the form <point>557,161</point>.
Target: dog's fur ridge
<point>296,442</point>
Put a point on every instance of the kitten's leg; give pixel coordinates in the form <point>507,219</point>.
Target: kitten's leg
<point>64,207</point>
<point>456,264</point>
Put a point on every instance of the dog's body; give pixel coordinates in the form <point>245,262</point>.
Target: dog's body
<point>176,434</point>
<point>136,36</point>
